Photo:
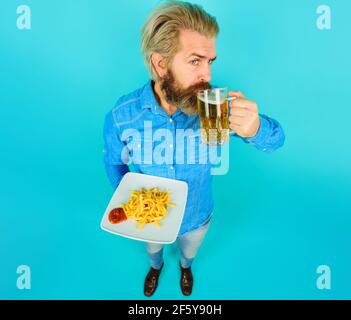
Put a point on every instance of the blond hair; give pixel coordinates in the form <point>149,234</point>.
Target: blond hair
<point>161,29</point>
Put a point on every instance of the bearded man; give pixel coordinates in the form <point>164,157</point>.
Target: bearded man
<point>178,42</point>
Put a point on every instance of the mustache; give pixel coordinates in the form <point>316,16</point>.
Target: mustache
<point>192,90</point>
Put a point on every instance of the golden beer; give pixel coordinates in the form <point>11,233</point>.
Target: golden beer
<point>213,112</point>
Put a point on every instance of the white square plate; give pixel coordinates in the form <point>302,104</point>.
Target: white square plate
<point>170,225</point>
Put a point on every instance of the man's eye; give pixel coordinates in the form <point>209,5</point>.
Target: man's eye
<point>195,62</point>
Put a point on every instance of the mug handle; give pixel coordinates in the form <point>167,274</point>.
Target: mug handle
<point>231,132</point>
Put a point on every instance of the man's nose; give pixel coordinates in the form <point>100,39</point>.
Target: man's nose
<point>205,76</point>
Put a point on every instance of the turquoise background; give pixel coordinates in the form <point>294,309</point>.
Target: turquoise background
<point>278,216</point>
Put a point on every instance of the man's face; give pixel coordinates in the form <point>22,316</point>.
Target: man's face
<point>190,71</point>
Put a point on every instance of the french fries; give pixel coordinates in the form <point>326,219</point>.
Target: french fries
<point>147,206</point>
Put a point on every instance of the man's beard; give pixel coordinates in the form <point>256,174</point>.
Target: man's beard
<point>183,99</point>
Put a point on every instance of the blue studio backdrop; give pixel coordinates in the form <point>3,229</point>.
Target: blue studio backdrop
<point>282,220</point>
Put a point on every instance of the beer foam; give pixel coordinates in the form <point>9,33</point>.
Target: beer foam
<point>212,99</point>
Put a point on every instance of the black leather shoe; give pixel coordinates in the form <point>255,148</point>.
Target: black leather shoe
<point>186,280</point>
<point>151,281</point>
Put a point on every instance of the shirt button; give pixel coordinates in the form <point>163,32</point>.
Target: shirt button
<point>264,149</point>
<point>139,145</point>
<point>170,120</point>
<point>171,145</point>
<point>171,167</point>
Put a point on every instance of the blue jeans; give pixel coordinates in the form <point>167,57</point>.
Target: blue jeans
<point>188,243</point>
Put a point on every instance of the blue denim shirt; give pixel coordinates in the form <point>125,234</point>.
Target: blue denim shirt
<point>140,112</point>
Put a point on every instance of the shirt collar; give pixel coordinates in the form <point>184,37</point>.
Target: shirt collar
<point>147,96</point>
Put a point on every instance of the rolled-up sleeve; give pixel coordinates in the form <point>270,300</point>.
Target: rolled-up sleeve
<point>269,137</point>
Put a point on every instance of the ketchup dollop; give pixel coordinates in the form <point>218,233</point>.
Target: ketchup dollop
<point>117,215</point>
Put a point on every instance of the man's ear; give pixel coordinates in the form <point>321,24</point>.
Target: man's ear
<point>159,64</point>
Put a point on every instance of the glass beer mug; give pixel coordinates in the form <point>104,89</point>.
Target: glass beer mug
<point>214,115</point>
